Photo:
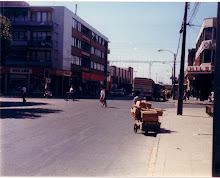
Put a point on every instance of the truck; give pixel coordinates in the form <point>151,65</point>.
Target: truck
<point>145,86</point>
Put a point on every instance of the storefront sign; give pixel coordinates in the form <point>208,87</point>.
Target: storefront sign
<point>92,77</point>
<point>204,45</point>
<point>202,69</point>
<point>4,70</point>
<point>63,73</point>
<point>20,71</point>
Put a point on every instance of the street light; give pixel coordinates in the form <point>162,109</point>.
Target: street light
<point>174,70</point>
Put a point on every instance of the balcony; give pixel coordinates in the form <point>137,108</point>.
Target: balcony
<point>19,43</point>
<point>43,24</point>
<point>86,39</point>
<point>41,44</point>
<point>34,63</point>
<point>32,23</point>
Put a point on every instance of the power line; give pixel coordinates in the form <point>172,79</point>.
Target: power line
<point>194,12</point>
<point>132,61</point>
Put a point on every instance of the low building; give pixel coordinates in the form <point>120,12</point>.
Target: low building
<point>120,78</point>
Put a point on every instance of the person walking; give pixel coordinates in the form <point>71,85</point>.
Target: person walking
<point>103,97</point>
<point>136,97</point>
<point>24,90</point>
<point>71,92</point>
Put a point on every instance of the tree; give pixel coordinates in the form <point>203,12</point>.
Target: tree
<point>5,39</point>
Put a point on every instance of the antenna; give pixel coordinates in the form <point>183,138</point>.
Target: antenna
<point>76,10</point>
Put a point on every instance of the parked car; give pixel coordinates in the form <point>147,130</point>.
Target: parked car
<point>118,92</point>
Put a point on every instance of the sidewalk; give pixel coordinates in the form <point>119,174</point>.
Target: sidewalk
<point>184,146</point>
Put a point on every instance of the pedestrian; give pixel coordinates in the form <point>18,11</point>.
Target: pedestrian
<point>188,94</point>
<point>45,89</point>
<point>71,92</point>
<point>212,96</point>
<point>103,97</point>
<point>24,90</point>
<point>136,97</point>
<point>184,96</point>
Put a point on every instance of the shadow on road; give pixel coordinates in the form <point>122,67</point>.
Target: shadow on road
<point>31,113</point>
<point>165,131</point>
<point>16,104</point>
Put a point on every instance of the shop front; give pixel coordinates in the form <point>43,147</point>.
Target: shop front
<point>200,80</point>
<point>91,83</point>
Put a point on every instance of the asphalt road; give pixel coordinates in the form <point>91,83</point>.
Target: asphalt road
<point>53,137</point>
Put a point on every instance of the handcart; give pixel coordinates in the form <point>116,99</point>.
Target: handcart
<point>146,119</point>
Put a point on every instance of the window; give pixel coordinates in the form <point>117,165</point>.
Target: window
<point>103,55</point>
<point>102,67</point>
<point>79,27</point>
<point>41,55</point>
<point>44,35</point>
<point>76,43</point>
<point>44,16</point>
<point>100,40</point>
<point>73,41</point>
<point>38,16</point>
<point>15,35</point>
<point>95,65</point>
<point>79,44</point>
<point>92,50</point>
<point>96,36</point>
<point>208,33</point>
<point>98,67</point>
<point>41,36</point>
<point>91,65</point>
<point>48,55</point>
<point>41,16</point>
<point>103,42</point>
<point>76,60</point>
<point>74,24</point>
<point>93,35</point>
<point>19,35</point>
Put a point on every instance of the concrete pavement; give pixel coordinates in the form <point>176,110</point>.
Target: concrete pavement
<point>184,146</point>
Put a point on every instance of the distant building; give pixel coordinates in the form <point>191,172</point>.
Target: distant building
<point>52,45</point>
<point>201,61</point>
<point>120,78</point>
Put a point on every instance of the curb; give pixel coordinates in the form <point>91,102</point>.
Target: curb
<point>153,157</point>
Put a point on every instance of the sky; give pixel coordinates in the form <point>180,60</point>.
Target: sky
<point>136,30</point>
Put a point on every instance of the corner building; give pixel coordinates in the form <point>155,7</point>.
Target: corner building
<point>201,61</point>
<point>52,45</point>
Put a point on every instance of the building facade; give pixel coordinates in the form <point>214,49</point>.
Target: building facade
<point>52,45</point>
<point>201,61</point>
<point>120,78</point>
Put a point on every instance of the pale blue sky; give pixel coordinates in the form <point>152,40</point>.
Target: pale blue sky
<point>137,29</point>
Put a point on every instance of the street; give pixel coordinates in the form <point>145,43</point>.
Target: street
<point>54,137</point>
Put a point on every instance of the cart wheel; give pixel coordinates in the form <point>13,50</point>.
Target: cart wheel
<point>135,128</point>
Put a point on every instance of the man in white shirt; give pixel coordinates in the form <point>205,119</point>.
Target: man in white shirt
<point>103,97</point>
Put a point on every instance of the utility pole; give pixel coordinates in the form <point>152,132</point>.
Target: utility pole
<point>174,78</point>
<point>216,116</point>
<point>150,70</point>
<point>181,81</point>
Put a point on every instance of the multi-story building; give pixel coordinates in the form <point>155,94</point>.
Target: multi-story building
<point>52,45</point>
<point>120,78</point>
<point>201,61</point>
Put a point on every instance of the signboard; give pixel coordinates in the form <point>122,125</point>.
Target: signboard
<point>20,71</point>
